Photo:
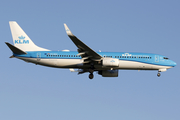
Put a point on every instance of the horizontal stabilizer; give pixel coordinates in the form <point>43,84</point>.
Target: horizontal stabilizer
<point>15,49</point>
<point>11,56</point>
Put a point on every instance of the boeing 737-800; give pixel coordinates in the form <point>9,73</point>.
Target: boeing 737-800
<point>84,59</point>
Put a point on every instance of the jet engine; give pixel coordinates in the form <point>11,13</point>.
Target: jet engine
<point>110,62</point>
<point>108,73</point>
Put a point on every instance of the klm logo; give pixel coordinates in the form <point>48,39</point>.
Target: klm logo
<point>112,61</point>
<point>126,54</point>
<point>21,40</point>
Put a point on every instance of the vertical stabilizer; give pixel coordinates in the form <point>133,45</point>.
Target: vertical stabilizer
<point>21,39</point>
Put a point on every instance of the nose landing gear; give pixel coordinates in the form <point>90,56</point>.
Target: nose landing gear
<point>158,74</point>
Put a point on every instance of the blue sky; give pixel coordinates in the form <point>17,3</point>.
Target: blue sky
<point>29,91</point>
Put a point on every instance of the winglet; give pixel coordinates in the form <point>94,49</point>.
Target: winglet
<point>69,33</point>
<point>82,48</point>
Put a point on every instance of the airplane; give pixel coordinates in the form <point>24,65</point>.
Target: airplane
<point>84,59</point>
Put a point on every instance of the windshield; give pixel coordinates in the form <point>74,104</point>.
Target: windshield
<point>166,58</point>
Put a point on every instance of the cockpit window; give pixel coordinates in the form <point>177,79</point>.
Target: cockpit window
<point>166,58</point>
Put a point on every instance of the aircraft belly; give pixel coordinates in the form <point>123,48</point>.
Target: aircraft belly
<point>69,62</point>
<point>139,65</point>
<point>78,63</point>
<point>133,65</point>
<point>59,63</point>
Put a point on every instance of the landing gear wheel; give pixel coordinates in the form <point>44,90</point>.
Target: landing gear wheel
<point>91,76</point>
<point>158,74</point>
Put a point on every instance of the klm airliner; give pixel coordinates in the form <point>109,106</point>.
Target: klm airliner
<point>84,59</point>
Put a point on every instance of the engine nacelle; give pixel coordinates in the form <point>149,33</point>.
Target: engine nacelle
<point>108,73</point>
<point>110,62</point>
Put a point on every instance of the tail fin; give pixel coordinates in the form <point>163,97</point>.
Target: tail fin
<point>21,39</point>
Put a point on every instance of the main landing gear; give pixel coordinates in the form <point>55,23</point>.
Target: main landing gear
<point>91,70</point>
<point>91,76</point>
<point>159,74</point>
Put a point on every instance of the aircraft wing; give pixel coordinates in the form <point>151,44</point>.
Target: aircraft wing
<point>86,52</point>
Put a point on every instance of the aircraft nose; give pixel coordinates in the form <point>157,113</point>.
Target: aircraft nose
<point>174,63</point>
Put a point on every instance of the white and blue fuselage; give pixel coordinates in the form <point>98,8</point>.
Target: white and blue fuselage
<point>71,59</point>
<point>84,59</point>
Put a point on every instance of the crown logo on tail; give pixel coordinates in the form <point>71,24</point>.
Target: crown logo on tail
<point>21,40</point>
<point>21,37</point>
